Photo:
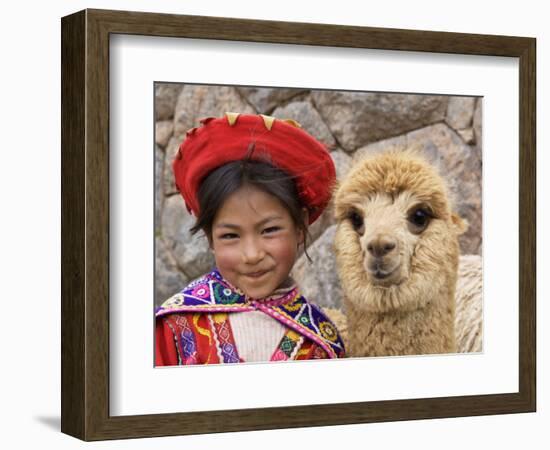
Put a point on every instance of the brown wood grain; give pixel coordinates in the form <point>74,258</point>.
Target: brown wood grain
<point>527,224</point>
<point>73,275</point>
<point>85,223</point>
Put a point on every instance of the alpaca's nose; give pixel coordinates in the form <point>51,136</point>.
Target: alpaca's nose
<point>381,245</point>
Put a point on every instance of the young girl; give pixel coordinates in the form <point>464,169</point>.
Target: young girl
<point>254,183</point>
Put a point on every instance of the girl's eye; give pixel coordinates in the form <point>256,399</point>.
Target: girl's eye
<point>227,236</point>
<point>271,230</point>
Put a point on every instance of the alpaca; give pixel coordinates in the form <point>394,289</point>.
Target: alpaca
<point>469,308</point>
<point>397,255</point>
<point>469,305</point>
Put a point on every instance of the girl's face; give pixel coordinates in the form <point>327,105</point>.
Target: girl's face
<point>255,241</point>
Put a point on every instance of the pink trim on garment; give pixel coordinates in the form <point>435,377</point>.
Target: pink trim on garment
<point>302,330</point>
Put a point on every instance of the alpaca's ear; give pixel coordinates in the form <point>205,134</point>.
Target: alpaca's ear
<point>460,225</point>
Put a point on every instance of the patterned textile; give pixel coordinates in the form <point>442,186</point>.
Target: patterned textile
<point>187,341</point>
<point>226,343</point>
<point>211,297</point>
<point>288,346</point>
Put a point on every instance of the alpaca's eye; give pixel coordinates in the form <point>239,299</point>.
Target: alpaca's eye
<point>357,222</point>
<point>419,218</point>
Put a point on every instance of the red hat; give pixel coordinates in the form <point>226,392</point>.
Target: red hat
<point>226,139</point>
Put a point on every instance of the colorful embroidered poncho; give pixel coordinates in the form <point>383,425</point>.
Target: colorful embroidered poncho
<point>193,327</point>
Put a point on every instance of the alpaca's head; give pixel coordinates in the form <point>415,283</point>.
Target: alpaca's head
<point>397,238</point>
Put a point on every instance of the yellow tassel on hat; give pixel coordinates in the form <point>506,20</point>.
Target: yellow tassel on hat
<point>293,123</point>
<point>268,121</point>
<point>232,117</point>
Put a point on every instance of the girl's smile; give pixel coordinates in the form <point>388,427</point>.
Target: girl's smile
<point>257,274</point>
<point>255,241</point>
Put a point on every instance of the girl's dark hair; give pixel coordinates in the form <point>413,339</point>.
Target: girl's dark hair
<point>219,184</point>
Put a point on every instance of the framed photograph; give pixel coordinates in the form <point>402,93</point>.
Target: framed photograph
<point>138,90</point>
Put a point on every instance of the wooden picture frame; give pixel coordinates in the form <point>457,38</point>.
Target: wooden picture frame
<point>85,224</point>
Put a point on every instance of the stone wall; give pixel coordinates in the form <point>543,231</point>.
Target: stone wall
<point>351,124</point>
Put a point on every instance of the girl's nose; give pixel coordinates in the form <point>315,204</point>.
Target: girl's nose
<point>252,251</point>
